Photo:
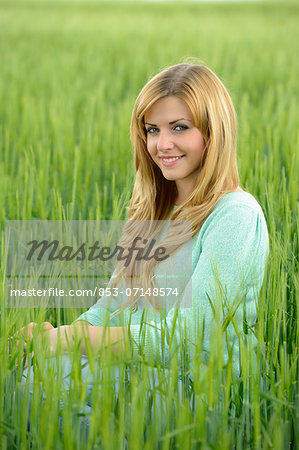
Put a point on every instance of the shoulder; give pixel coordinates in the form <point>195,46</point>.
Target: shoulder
<point>234,234</point>
<point>236,215</point>
<point>241,199</point>
<point>235,207</point>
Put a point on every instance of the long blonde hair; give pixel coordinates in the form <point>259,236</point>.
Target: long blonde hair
<point>153,195</point>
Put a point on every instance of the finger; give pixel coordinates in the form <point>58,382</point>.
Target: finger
<point>28,329</point>
<point>46,326</point>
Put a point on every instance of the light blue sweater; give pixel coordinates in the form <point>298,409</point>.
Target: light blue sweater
<point>229,254</point>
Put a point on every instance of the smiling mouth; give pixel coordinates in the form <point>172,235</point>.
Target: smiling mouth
<point>172,158</point>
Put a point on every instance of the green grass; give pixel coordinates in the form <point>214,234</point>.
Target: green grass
<point>70,73</point>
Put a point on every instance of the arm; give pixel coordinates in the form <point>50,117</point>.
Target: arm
<point>229,265</point>
<point>230,241</point>
<point>65,337</point>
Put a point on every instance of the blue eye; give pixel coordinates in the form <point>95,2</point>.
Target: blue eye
<point>182,127</point>
<point>151,130</point>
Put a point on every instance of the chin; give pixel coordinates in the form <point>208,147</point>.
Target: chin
<point>169,177</point>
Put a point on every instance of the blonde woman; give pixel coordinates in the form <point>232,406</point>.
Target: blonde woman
<point>184,134</point>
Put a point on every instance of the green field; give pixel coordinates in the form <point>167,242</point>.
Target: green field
<point>70,73</point>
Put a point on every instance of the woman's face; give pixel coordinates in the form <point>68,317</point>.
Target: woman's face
<point>173,142</point>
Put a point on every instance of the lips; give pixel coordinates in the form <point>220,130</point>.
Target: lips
<point>168,161</point>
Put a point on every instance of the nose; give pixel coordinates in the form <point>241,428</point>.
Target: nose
<point>165,141</point>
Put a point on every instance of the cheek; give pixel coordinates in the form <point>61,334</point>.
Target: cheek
<point>202,141</point>
<point>150,147</point>
<point>199,143</point>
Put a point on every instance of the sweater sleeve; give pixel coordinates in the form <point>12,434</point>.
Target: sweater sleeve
<point>229,257</point>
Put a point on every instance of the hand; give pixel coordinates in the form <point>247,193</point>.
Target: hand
<point>27,334</point>
<point>28,330</point>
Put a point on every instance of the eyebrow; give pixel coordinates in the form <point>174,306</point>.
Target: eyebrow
<point>170,123</point>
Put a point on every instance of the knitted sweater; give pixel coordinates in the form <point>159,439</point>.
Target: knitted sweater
<point>229,255</point>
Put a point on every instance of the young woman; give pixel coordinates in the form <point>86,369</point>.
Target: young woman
<point>183,133</point>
